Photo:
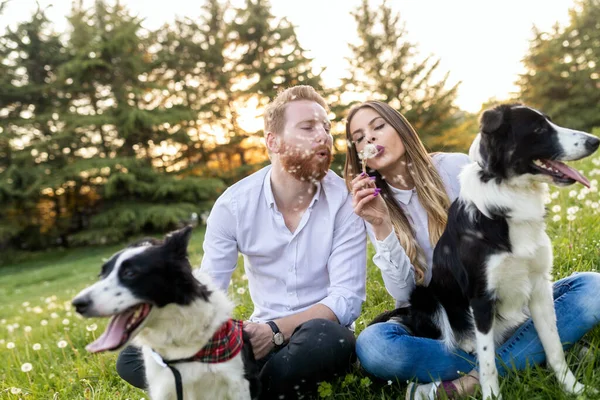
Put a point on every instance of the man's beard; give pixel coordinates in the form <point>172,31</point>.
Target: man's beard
<point>303,165</point>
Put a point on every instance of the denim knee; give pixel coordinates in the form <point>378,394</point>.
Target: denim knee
<point>375,350</point>
<point>589,304</point>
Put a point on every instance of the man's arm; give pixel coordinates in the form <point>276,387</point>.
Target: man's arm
<point>220,244</point>
<point>346,293</point>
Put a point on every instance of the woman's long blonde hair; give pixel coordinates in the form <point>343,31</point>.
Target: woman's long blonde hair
<point>428,184</point>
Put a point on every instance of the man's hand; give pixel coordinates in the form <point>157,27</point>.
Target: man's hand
<point>261,338</point>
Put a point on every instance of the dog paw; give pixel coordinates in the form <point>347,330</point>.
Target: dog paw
<point>491,394</point>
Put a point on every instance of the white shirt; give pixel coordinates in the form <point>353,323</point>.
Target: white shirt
<point>396,269</point>
<point>323,261</point>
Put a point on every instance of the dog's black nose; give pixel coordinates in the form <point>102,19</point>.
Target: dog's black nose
<point>592,143</point>
<point>82,304</point>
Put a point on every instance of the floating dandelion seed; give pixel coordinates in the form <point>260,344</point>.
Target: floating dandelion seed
<point>36,346</point>
<point>62,344</point>
<point>26,367</point>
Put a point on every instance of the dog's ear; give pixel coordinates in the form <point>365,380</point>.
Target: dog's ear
<point>491,120</point>
<point>177,242</point>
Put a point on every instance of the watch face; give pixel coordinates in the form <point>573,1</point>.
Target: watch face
<point>278,339</point>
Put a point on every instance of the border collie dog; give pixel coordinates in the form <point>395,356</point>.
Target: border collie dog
<point>492,265</point>
<point>191,347</point>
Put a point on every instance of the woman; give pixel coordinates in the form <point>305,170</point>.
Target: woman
<point>405,203</point>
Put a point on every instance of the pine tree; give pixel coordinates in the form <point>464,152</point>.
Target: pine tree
<point>563,75</point>
<point>29,98</point>
<point>132,133</point>
<point>385,66</point>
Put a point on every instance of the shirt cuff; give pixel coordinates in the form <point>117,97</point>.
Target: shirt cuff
<point>341,308</point>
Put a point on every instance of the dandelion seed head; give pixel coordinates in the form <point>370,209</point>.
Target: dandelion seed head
<point>26,367</point>
<point>36,346</point>
<point>62,344</point>
<point>10,345</point>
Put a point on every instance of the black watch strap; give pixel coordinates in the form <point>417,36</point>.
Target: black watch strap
<point>273,326</point>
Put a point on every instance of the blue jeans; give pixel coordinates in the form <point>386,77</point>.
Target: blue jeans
<point>387,351</point>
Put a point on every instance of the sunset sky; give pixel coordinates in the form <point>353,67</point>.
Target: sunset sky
<point>481,42</point>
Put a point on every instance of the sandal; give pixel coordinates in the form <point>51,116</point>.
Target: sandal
<point>432,391</point>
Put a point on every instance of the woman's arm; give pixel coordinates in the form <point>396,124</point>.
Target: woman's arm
<point>396,269</point>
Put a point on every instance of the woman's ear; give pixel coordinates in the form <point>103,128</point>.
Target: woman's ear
<point>273,142</point>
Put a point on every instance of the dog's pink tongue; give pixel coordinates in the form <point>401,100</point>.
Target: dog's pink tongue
<point>113,335</point>
<point>568,171</point>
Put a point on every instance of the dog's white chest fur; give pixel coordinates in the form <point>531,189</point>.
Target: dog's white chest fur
<point>511,276</point>
<point>200,381</point>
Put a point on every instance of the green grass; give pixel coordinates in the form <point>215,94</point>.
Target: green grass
<point>35,317</point>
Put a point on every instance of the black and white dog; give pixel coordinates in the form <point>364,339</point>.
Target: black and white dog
<point>182,323</point>
<point>492,265</point>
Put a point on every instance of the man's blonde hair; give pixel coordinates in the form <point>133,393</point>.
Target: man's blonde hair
<point>274,116</point>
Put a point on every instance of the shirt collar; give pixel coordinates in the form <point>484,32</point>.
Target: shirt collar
<point>402,195</point>
<point>268,191</point>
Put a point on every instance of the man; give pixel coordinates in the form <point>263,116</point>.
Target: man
<point>304,251</point>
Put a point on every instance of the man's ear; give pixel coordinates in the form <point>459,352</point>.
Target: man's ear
<point>273,142</point>
<point>176,242</point>
<point>491,120</point>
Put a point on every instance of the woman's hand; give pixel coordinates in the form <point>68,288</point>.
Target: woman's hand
<point>370,206</point>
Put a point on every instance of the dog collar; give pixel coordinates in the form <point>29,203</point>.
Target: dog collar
<point>225,344</point>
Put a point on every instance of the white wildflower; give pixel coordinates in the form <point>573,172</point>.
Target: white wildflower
<point>26,367</point>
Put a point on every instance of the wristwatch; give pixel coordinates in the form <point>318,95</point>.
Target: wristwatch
<point>278,338</point>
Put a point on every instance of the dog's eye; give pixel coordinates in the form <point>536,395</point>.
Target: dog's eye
<point>129,273</point>
<point>540,129</point>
